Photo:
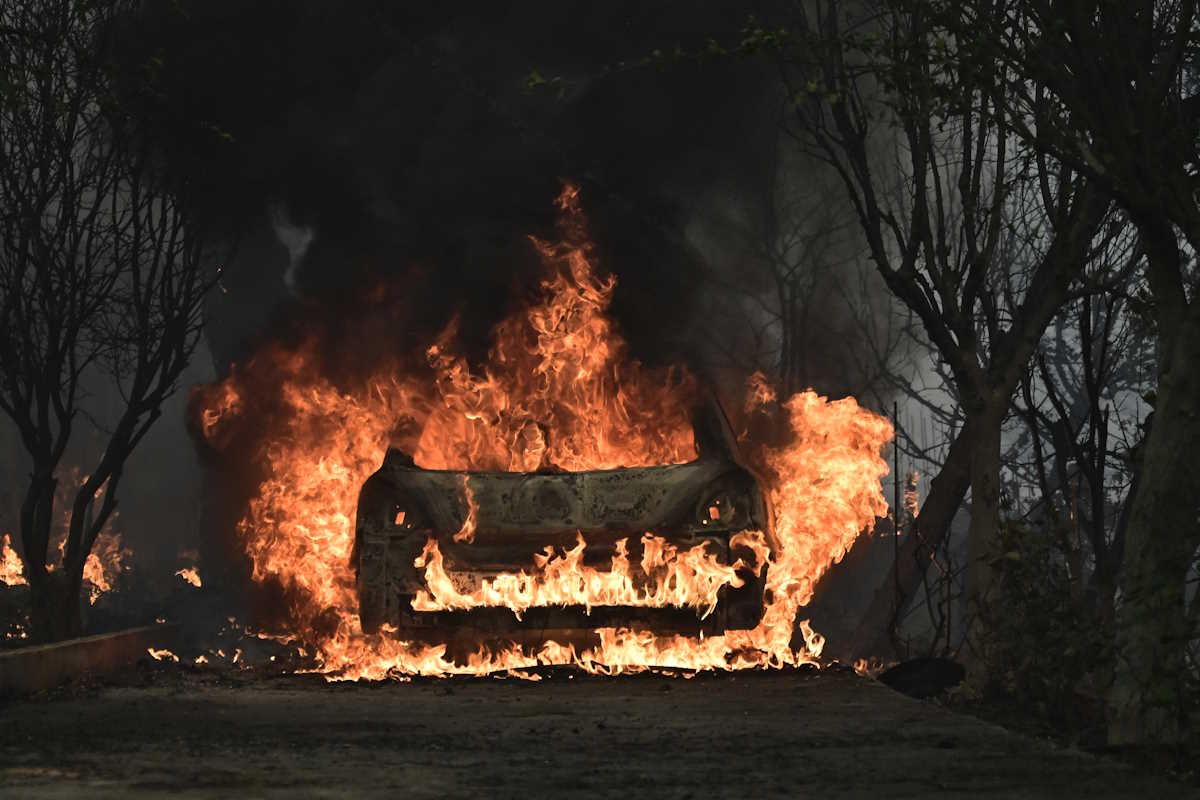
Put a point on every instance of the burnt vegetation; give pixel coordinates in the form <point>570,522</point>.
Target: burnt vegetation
<point>102,280</point>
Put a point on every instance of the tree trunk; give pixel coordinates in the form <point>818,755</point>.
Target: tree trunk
<point>55,612</point>
<point>985,521</point>
<point>54,595</point>
<point>946,492</point>
<point>1145,703</point>
<point>972,462</point>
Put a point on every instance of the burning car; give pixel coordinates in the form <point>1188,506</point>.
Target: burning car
<point>521,555</point>
<point>557,503</point>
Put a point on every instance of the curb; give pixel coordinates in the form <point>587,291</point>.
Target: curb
<point>31,669</point>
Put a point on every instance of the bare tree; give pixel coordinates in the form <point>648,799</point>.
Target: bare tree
<point>100,276</point>
<point>1080,434</point>
<point>1110,88</point>
<point>922,142</point>
<point>804,300</point>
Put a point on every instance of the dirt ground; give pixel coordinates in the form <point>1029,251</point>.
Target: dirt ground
<point>783,734</point>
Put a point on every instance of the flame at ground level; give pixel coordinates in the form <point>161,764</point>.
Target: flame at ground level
<point>691,578</point>
<point>190,575</point>
<point>558,391</point>
<point>108,559</point>
<point>11,571</point>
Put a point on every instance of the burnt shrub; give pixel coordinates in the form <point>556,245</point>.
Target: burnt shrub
<point>1045,645</point>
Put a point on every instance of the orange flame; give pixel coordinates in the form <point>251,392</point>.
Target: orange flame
<point>11,570</point>
<point>560,367</point>
<point>223,402</point>
<point>190,575</point>
<point>558,392</point>
<point>467,532</point>
<point>101,568</point>
<point>683,579</point>
<point>104,564</point>
<point>912,494</point>
<point>759,392</point>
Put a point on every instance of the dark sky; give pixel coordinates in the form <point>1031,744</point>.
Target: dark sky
<point>407,142</point>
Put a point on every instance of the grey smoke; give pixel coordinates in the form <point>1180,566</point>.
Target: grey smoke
<point>296,238</point>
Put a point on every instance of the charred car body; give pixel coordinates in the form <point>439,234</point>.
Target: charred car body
<point>515,516</point>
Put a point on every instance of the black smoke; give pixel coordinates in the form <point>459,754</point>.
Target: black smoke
<point>377,166</point>
<point>409,145</point>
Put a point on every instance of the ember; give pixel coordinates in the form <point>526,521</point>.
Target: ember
<point>558,392</point>
<point>190,575</point>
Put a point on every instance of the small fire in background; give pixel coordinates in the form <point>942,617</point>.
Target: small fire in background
<point>911,495</point>
<point>759,393</point>
<point>190,575</point>
<point>162,654</point>
<point>222,402</point>
<point>11,570</point>
<point>13,621</point>
<point>869,668</point>
<point>108,560</point>
<point>558,392</point>
<point>104,564</point>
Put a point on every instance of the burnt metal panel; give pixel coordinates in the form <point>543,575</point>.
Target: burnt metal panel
<point>518,514</point>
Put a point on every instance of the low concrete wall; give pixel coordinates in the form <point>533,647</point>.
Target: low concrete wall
<point>30,669</point>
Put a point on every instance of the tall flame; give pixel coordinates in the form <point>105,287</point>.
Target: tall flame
<point>558,391</point>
